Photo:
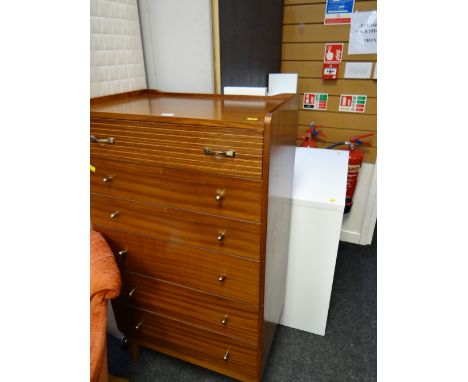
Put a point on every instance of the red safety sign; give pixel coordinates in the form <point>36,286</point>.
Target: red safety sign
<point>330,71</point>
<point>333,53</point>
<point>315,101</point>
<point>353,103</point>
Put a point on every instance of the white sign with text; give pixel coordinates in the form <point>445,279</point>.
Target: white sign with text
<point>363,33</point>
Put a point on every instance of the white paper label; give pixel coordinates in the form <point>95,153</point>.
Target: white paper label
<point>375,71</point>
<point>358,70</point>
<point>363,33</point>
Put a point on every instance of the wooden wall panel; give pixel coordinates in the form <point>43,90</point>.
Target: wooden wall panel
<point>305,2</point>
<point>315,51</point>
<point>305,69</point>
<point>304,38</point>
<point>315,33</point>
<point>333,134</point>
<point>371,106</point>
<point>314,13</point>
<point>339,119</point>
<point>370,153</point>
<point>345,86</point>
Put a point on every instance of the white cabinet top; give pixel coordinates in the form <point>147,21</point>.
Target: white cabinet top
<point>320,178</point>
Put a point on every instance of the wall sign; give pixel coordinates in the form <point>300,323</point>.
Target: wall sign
<point>363,33</point>
<point>352,103</point>
<point>315,101</point>
<point>358,70</point>
<point>338,11</point>
<point>333,53</point>
<point>330,71</point>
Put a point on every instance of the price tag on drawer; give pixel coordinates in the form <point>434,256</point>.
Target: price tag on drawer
<point>92,168</point>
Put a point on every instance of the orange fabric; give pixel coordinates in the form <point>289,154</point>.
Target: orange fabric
<point>105,284</point>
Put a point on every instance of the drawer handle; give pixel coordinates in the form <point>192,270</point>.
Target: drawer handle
<point>224,320</point>
<point>222,278</point>
<point>113,215</point>
<point>221,236</point>
<point>130,294</point>
<point>107,179</point>
<point>226,153</point>
<point>219,196</point>
<point>123,252</point>
<point>138,326</point>
<point>226,355</point>
<point>109,140</point>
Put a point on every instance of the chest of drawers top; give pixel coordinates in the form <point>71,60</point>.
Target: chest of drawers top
<point>198,109</point>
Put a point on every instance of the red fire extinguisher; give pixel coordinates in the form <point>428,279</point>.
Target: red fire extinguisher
<point>354,164</point>
<point>311,133</point>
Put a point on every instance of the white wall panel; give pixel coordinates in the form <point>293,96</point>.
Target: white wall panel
<point>359,224</point>
<point>117,63</point>
<point>177,41</point>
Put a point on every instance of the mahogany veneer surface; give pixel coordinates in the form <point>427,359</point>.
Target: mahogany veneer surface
<point>180,189</point>
<point>201,240</point>
<point>184,265</point>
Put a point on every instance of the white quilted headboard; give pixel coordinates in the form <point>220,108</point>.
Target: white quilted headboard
<point>117,63</point>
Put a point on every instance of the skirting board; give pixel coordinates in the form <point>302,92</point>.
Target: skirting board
<point>350,237</point>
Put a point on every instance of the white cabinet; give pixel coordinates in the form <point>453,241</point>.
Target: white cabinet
<point>317,213</point>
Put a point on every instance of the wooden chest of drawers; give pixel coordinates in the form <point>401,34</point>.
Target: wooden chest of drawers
<point>193,194</point>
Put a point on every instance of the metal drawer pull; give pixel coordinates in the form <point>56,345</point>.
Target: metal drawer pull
<point>219,196</point>
<point>113,215</point>
<point>109,140</point>
<point>122,252</point>
<point>137,327</point>
<point>221,278</point>
<point>221,236</point>
<point>224,320</point>
<point>227,153</point>
<point>226,355</point>
<point>130,294</point>
<point>107,179</point>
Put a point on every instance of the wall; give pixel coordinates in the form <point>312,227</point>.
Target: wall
<point>117,64</point>
<point>359,224</point>
<point>250,41</point>
<point>177,42</point>
<point>304,38</point>
<point>116,51</point>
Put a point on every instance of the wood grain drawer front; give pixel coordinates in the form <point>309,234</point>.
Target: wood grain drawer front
<point>187,266</point>
<point>194,229</point>
<point>197,345</point>
<point>201,309</point>
<point>218,195</point>
<point>181,146</point>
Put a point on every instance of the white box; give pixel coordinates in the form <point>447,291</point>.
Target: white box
<point>319,192</point>
<point>245,90</point>
<point>279,83</point>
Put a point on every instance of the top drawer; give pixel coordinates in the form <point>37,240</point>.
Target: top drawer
<point>220,150</point>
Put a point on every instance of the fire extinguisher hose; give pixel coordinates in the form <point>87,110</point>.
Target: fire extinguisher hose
<point>354,141</point>
<point>340,144</point>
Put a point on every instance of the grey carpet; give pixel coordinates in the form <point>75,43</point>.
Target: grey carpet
<point>347,352</point>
